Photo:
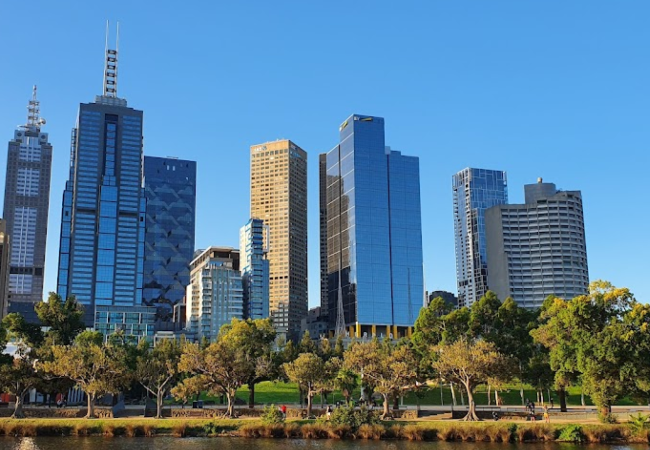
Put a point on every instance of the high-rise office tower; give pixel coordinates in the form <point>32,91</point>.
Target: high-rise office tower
<point>374,233</point>
<point>279,198</point>
<point>253,240</point>
<point>475,190</point>
<point>214,296</point>
<point>538,248</point>
<point>103,217</point>
<point>4,267</point>
<point>170,190</point>
<point>322,195</point>
<point>26,204</point>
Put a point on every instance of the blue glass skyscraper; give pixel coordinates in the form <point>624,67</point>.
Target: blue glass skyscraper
<point>475,190</point>
<point>374,233</point>
<point>253,241</point>
<point>170,190</point>
<point>103,216</point>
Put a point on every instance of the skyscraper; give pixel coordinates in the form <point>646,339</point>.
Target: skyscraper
<point>214,296</point>
<point>474,190</point>
<point>538,248</point>
<point>322,195</point>
<point>253,238</point>
<point>279,198</point>
<point>4,267</point>
<point>103,217</point>
<point>170,190</point>
<point>26,204</point>
<point>374,233</point>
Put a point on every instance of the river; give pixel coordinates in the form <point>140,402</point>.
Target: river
<point>169,443</point>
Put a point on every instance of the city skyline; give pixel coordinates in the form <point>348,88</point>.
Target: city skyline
<point>578,138</point>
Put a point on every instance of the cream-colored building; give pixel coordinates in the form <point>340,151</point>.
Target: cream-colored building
<point>279,198</point>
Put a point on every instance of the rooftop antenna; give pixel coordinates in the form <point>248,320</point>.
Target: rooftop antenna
<point>110,68</point>
<point>34,119</point>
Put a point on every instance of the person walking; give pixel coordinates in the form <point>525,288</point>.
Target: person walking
<point>547,418</point>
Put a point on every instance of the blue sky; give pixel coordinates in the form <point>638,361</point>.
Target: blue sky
<point>551,88</point>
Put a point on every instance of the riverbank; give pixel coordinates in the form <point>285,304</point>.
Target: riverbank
<point>407,430</point>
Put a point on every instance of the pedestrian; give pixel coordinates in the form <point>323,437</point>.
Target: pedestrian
<point>552,404</point>
<point>547,419</point>
<point>328,411</point>
<point>532,407</point>
<point>283,408</point>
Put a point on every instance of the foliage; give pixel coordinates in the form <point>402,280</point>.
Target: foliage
<point>220,368</point>
<point>353,417</point>
<point>571,433</point>
<point>607,418</point>
<point>157,369</point>
<point>97,368</point>
<point>471,363</point>
<point>272,415</point>
<point>640,422</point>
<point>63,318</point>
<point>311,373</point>
<point>391,369</point>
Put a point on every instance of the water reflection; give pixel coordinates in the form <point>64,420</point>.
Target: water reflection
<point>169,443</point>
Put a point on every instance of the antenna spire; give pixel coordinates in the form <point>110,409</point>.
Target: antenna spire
<point>110,68</point>
<point>34,111</point>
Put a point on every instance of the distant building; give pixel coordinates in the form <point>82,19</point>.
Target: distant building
<point>374,233</point>
<point>4,267</point>
<point>170,190</point>
<point>279,198</point>
<point>322,179</point>
<point>538,248</point>
<point>474,191</point>
<point>101,250</point>
<point>215,294</point>
<point>448,297</point>
<point>136,322</point>
<point>253,241</point>
<point>26,205</point>
<point>315,324</point>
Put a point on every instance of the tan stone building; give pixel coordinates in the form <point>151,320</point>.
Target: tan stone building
<point>279,198</point>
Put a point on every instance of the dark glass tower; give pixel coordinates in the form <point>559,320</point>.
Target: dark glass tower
<point>170,190</point>
<point>103,217</point>
<point>374,233</point>
<point>26,204</point>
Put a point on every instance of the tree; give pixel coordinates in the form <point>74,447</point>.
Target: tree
<point>63,318</point>
<point>157,369</point>
<point>390,368</point>
<point>187,389</point>
<point>220,369</point>
<point>470,363</point>
<point>18,372</point>
<point>254,339</point>
<point>308,371</point>
<point>346,381</point>
<point>97,368</point>
<point>306,344</point>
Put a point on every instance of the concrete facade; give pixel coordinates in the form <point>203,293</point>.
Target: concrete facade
<point>538,248</point>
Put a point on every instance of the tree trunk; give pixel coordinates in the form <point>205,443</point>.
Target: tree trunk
<point>159,404</point>
<point>497,400</point>
<point>488,394</point>
<point>562,395</point>
<point>541,395</point>
<point>453,394</point>
<point>91,406</point>
<point>230,412</point>
<point>582,396</point>
<point>251,395</point>
<point>309,398</point>
<point>18,409</point>
<point>386,413</point>
<point>395,402</point>
<point>471,413</point>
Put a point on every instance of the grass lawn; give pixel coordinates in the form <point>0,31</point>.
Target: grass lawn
<point>278,393</point>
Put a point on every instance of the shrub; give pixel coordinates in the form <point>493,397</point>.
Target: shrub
<point>314,431</point>
<point>291,430</point>
<point>179,430</point>
<point>639,423</point>
<point>395,432</point>
<point>607,418</point>
<point>367,431</point>
<point>149,430</point>
<point>272,415</point>
<point>354,418</point>
<point>108,430</point>
<point>448,433</point>
<point>338,431</point>
<point>572,433</point>
<point>412,433</point>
